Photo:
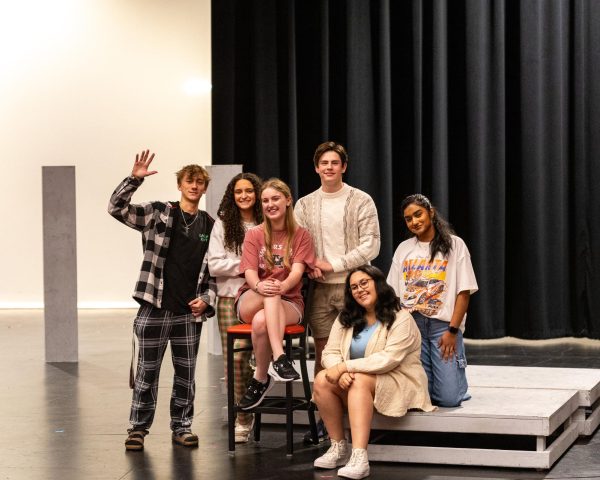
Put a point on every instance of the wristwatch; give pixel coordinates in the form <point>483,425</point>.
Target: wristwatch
<point>452,330</point>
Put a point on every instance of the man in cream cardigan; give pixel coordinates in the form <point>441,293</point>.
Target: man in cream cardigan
<point>344,225</point>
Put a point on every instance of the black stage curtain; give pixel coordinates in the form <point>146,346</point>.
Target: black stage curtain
<point>488,107</point>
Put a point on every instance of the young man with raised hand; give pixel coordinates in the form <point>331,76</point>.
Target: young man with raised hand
<point>175,292</point>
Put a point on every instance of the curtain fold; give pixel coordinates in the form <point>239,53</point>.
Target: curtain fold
<point>489,107</point>
<point>485,224</point>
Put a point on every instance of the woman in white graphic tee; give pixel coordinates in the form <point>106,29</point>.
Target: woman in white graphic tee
<point>432,274</point>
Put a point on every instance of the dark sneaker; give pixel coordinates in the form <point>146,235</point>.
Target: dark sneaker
<point>255,393</point>
<point>282,370</point>
<point>321,433</point>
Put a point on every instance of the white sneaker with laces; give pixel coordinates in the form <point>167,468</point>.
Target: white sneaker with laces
<point>358,465</point>
<point>336,456</point>
<point>243,431</point>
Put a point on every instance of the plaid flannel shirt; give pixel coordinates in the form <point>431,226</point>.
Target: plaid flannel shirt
<point>155,221</point>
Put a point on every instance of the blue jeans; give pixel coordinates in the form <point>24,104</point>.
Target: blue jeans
<point>447,380</point>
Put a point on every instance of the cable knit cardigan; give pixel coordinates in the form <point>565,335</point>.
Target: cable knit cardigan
<point>393,356</point>
<point>361,225</point>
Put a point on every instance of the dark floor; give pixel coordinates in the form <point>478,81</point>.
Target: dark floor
<point>68,421</point>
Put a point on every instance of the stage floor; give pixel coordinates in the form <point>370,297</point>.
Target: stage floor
<point>68,421</point>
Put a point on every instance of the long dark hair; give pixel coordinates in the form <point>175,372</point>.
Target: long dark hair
<point>388,304</point>
<point>229,212</point>
<point>442,240</point>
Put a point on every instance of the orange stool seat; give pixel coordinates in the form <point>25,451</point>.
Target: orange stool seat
<point>246,328</point>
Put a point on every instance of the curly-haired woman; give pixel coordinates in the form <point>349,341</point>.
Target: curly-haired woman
<point>372,363</point>
<point>238,212</point>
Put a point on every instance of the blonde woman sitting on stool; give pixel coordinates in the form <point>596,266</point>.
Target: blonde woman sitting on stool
<point>371,361</point>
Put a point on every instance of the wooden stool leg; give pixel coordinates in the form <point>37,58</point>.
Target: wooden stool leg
<point>289,402</point>
<point>257,420</point>
<point>231,414</point>
<point>307,392</point>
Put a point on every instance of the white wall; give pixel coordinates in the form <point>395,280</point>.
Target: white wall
<point>89,83</point>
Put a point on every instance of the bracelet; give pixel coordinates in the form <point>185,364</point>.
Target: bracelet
<point>256,286</point>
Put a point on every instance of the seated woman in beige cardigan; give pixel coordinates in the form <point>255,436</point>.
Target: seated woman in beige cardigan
<point>371,360</point>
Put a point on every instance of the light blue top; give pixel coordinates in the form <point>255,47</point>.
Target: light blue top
<point>359,343</point>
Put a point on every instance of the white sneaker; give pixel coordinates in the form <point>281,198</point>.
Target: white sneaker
<point>242,431</point>
<point>358,465</point>
<point>336,456</point>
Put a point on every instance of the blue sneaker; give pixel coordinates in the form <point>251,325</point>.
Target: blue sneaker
<point>321,433</point>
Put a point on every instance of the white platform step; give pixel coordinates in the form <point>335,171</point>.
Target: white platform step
<point>585,380</point>
<point>492,411</point>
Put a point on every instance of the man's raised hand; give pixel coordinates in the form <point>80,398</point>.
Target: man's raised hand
<point>141,164</point>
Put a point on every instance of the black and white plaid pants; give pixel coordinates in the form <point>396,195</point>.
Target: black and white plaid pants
<point>154,328</point>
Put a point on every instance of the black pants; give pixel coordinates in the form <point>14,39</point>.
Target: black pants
<point>154,328</point>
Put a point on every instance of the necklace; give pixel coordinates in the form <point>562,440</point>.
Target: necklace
<point>187,226</point>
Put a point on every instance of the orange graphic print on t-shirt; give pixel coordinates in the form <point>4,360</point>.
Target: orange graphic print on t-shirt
<point>425,284</point>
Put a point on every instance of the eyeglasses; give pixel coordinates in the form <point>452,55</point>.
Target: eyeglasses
<point>362,283</point>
